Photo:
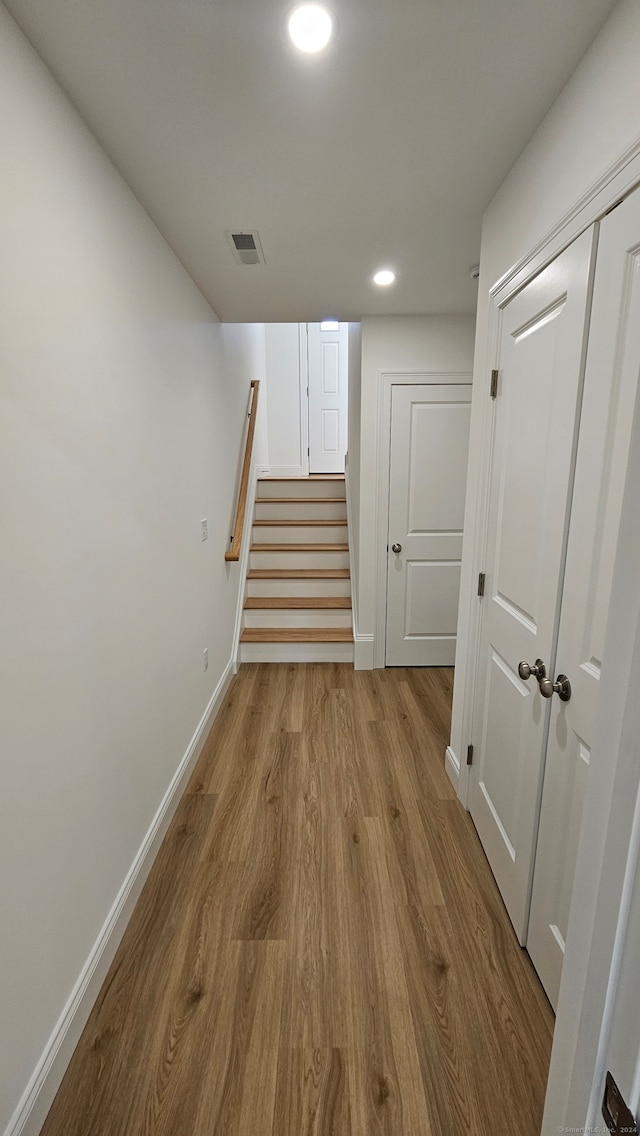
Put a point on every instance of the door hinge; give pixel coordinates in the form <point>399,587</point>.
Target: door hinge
<point>494,384</point>
<point>308,452</point>
<point>469,755</point>
<point>615,1110</point>
<point>481,580</point>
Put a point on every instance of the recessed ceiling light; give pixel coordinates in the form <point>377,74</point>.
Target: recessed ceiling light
<point>310,27</point>
<point>384,277</point>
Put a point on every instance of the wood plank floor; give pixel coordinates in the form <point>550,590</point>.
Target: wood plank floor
<point>320,949</point>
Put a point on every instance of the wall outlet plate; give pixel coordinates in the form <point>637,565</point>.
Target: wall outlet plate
<point>204,529</point>
<point>205,658</point>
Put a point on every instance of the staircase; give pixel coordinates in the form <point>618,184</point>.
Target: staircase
<point>298,601</point>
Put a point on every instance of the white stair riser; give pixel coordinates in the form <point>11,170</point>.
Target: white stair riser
<point>296,652</point>
<point>299,559</point>
<point>315,587</point>
<point>301,511</point>
<point>300,488</point>
<point>299,534</point>
<point>285,617</point>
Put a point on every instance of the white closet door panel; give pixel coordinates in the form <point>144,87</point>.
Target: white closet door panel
<point>542,342</point>
<point>611,381</point>
<point>428,462</point>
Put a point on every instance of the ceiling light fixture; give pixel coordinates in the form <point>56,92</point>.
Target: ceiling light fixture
<point>384,277</point>
<point>310,27</point>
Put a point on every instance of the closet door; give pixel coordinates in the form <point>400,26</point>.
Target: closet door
<point>427,475</point>
<point>541,362</point>
<point>611,380</point>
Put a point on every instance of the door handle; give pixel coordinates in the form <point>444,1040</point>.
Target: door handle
<point>396,548</point>
<point>538,670</point>
<point>561,687</point>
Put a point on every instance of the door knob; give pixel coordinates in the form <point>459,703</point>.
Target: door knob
<point>396,548</point>
<point>538,670</point>
<point>561,687</point>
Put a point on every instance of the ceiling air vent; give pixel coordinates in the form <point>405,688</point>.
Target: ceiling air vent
<point>245,247</point>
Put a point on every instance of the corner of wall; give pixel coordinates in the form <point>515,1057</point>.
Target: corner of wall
<point>452,767</point>
<point>362,644</point>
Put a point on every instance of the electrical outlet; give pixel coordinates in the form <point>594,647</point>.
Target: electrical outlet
<point>205,658</point>
<point>204,526</point>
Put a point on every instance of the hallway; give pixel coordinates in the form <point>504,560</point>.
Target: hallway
<point>320,949</point>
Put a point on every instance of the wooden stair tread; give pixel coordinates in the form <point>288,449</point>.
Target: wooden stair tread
<point>299,547</point>
<point>318,602</point>
<point>297,635</point>
<point>311,477</point>
<point>300,501</point>
<point>284,522</point>
<point>298,574</point>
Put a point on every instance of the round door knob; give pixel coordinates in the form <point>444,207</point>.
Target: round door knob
<point>538,670</point>
<point>396,548</point>
<point>561,687</point>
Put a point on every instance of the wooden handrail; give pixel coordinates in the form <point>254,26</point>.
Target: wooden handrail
<point>233,553</point>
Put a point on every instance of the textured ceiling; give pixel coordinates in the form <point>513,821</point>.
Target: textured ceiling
<point>383,151</point>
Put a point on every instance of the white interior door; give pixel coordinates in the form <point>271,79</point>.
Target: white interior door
<point>541,353</point>
<point>328,397</point>
<point>427,477</point>
<point>611,381</point>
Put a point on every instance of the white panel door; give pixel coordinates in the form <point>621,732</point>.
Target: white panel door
<point>611,380</point>
<point>427,477</point>
<point>328,397</point>
<point>542,347</point>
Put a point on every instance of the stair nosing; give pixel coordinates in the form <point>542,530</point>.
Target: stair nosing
<point>297,635</point>
<point>312,478</point>
<point>301,500</point>
<point>299,547</point>
<point>298,574</point>
<point>320,522</point>
<point>297,603</point>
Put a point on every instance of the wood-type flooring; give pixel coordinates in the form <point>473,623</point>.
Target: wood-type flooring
<point>320,948</point>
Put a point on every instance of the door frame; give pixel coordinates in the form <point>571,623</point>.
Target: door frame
<point>616,184</point>
<point>303,349</point>
<point>386,381</point>
<point>305,401</point>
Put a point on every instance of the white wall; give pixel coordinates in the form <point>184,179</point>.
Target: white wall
<point>122,406</point>
<point>283,414</point>
<point>404,344</point>
<point>592,123</point>
<point>353,450</point>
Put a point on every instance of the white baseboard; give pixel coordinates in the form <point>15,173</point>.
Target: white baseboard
<point>362,652</point>
<point>37,1098</point>
<point>452,767</point>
